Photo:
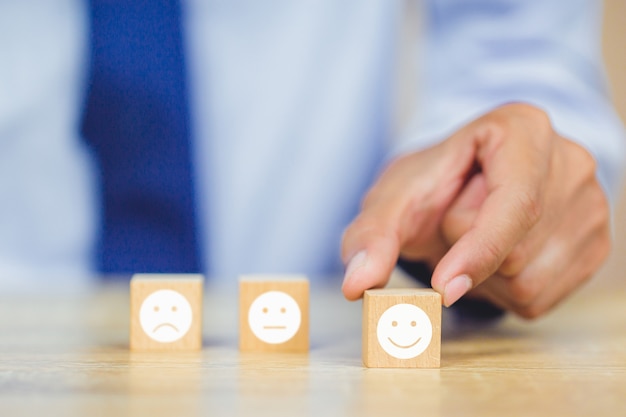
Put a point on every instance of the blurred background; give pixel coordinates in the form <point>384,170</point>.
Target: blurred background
<point>614,39</point>
<point>612,274</point>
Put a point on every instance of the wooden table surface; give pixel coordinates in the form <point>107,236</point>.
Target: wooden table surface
<point>68,355</point>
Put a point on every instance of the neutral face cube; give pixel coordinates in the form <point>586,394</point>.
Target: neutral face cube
<point>401,328</point>
<point>166,312</point>
<point>273,314</point>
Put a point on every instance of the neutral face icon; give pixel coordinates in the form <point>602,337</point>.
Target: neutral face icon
<point>165,316</point>
<point>404,331</point>
<point>274,317</point>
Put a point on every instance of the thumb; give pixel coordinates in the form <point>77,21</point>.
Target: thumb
<point>370,255</point>
<point>401,213</point>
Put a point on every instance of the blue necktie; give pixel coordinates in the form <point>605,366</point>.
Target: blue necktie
<point>136,122</point>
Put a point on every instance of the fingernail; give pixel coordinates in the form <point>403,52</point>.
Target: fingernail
<point>455,289</point>
<point>358,261</point>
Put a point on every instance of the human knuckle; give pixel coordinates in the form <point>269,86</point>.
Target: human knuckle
<point>514,116</point>
<point>538,117</point>
<point>524,293</point>
<point>538,114</point>
<point>588,164</point>
<point>514,262</point>
<point>541,118</point>
<point>598,215</point>
<point>602,221</point>
<point>530,312</point>
<point>364,231</point>
<point>353,231</point>
<point>601,208</point>
<point>363,224</point>
<point>603,247</point>
<point>530,207</point>
<point>493,255</point>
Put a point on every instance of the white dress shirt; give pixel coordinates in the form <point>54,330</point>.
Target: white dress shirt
<point>292,109</point>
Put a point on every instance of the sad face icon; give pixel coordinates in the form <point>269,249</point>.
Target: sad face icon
<point>165,316</point>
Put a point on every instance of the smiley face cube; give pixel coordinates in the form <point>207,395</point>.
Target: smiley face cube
<point>166,312</point>
<point>273,314</point>
<point>401,328</point>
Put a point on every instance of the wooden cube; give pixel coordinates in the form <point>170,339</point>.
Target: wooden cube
<point>166,312</point>
<point>273,314</point>
<point>402,328</point>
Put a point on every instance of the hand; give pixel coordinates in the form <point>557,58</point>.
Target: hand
<point>505,208</point>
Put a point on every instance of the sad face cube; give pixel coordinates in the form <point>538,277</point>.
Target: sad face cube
<point>166,312</point>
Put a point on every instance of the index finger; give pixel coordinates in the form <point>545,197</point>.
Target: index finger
<point>514,158</point>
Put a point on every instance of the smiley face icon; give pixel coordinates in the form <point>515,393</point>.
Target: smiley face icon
<point>274,317</point>
<point>404,331</point>
<point>165,316</point>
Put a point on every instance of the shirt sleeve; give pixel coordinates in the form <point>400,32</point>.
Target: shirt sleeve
<point>48,204</point>
<point>480,54</point>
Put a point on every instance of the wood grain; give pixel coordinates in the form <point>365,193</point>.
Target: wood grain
<point>69,356</point>
<point>189,286</point>
<point>251,287</point>
<point>376,302</point>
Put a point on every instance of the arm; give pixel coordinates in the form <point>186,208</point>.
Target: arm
<point>509,205</point>
<point>47,210</point>
<point>481,55</point>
